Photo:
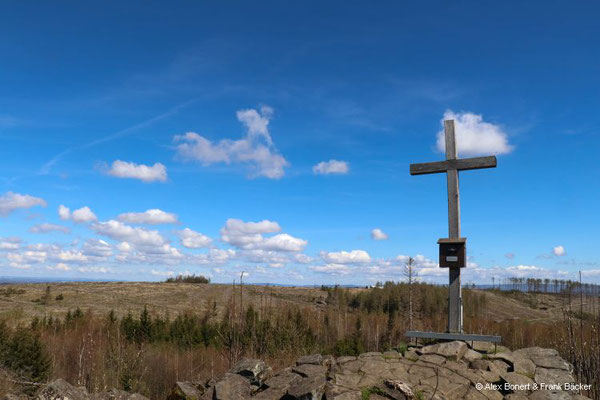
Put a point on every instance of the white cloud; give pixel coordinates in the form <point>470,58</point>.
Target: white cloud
<point>59,267</point>
<point>193,240</point>
<point>162,273</point>
<point>559,251</point>
<point>378,234</point>
<point>10,202</point>
<point>345,257</point>
<point>72,256</point>
<point>283,242</point>
<point>331,167</point>
<point>145,173</point>
<point>124,233</point>
<point>64,213</point>
<point>333,269</point>
<point>152,217</point>
<point>255,149</point>
<point>100,270</point>
<point>245,234</point>
<point>303,258</point>
<point>81,215</point>
<point>97,248</point>
<point>474,136</point>
<point>47,228</point>
<point>249,236</point>
<point>8,245</point>
<point>124,247</point>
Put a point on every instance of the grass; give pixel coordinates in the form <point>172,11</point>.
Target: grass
<point>366,393</point>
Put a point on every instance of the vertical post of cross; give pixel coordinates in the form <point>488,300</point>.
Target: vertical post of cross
<point>455,315</point>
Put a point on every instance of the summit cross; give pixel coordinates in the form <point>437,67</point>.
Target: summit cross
<point>451,166</point>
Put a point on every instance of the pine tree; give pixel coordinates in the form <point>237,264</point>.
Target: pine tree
<point>27,357</point>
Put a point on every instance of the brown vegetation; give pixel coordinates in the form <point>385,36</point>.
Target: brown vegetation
<point>147,341</point>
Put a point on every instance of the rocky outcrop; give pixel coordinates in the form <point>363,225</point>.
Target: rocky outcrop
<point>62,390</point>
<point>451,370</point>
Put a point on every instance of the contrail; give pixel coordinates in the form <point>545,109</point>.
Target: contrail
<point>45,170</point>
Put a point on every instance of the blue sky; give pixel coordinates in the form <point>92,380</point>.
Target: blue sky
<point>274,138</point>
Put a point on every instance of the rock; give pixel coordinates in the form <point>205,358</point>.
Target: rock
<point>432,359</point>
<point>283,380</point>
<point>501,365</point>
<point>473,394</point>
<point>524,366</point>
<point>307,370</point>
<point>345,359</point>
<point>472,355</point>
<point>549,395</point>
<point>392,355</point>
<point>232,387</point>
<point>546,358</point>
<point>10,396</point>
<point>552,376</point>
<point>310,388</point>
<point>451,350</point>
<point>483,365</point>
<point>411,355</point>
<point>62,390</point>
<point>504,356</point>
<point>185,391</point>
<point>352,395</point>
<point>521,382</point>
<point>376,354</point>
<point>254,370</point>
<point>315,359</point>
<point>116,394</point>
<point>482,347</point>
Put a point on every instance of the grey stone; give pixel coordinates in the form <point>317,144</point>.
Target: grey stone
<point>451,350</point>
<point>549,395</point>
<point>411,355</point>
<point>392,355</point>
<point>306,370</point>
<point>345,359</point>
<point>524,366</point>
<point>232,387</point>
<point>185,391</point>
<point>116,394</point>
<point>310,388</point>
<point>282,380</point>
<point>62,390</point>
<point>472,355</point>
<point>552,376</point>
<point>315,359</point>
<point>254,370</point>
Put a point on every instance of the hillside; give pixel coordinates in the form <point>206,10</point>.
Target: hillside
<point>21,302</point>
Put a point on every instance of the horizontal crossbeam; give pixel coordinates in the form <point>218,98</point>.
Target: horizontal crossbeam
<point>460,164</point>
<point>453,336</point>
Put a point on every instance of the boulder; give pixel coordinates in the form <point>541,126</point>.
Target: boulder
<point>254,370</point>
<point>185,391</point>
<point>451,350</point>
<point>315,359</point>
<point>116,394</point>
<point>524,366</point>
<point>62,390</point>
<point>309,388</point>
<point>232,387</point>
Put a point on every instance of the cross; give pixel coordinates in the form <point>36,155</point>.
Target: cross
<point>451,167</point>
